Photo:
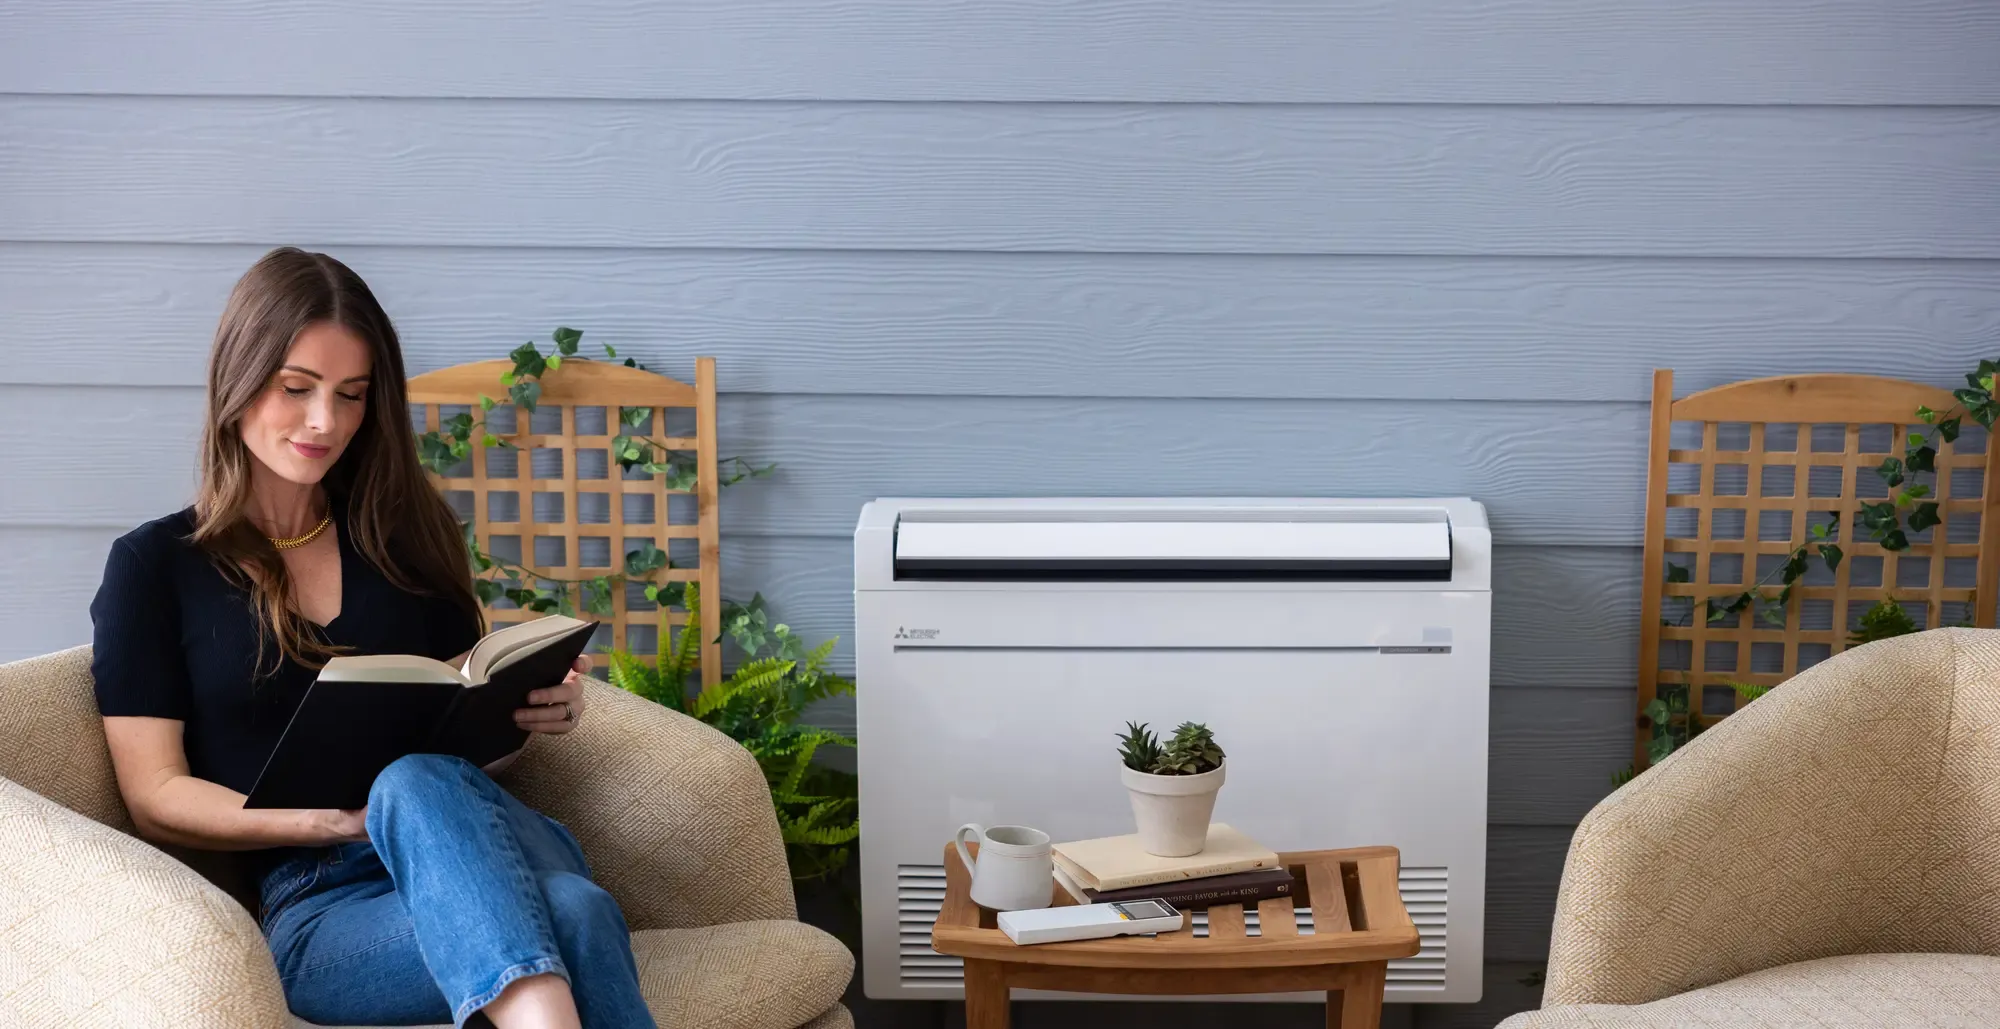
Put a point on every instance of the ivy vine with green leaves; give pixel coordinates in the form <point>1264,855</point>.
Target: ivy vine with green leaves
<point>495,577</point>
<point>1906,510</point>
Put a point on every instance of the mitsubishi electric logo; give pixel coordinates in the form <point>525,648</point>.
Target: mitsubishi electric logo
<point>915,634</point>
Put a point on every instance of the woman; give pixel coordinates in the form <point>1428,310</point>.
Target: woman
<point>314,532</point>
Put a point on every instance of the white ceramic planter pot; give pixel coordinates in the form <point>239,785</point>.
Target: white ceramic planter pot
<point>1173,810</point>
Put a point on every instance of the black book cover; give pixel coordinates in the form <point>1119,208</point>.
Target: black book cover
<point>1236,887</point>
<point>345,732</point>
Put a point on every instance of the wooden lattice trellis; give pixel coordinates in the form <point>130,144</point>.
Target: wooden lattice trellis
<point>1839,428</point>
<point>504,505</point>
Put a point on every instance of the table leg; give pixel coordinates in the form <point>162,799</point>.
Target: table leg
<point>1358,1003</point>
<point>986,1004</point>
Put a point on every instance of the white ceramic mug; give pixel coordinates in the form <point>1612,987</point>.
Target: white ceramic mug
<point>1013,871</point>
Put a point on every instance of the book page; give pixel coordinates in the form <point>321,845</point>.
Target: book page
<point>502,647</point>
<point>389,668</point>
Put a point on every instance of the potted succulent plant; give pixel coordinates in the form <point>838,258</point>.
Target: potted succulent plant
<point>1172,786</point>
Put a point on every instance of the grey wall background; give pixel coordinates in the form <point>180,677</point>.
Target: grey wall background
<point>1315,247</point>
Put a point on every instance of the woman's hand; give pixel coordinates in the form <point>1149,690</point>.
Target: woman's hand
<point>336,825</point>
<point>555,709</point>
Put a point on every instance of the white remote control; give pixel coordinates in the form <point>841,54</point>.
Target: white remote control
<point>1089,921</point>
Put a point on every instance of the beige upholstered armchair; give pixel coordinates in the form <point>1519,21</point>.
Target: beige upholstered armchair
<point>101,929</point>
<point>1829,856</point>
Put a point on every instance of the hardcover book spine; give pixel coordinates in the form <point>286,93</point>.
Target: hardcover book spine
<point>1239,895</point>
<point>1198,896</point>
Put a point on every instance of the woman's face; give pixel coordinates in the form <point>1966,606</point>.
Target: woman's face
<point>310,410</point>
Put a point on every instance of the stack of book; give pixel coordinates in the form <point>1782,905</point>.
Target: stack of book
<point>1231,869</point>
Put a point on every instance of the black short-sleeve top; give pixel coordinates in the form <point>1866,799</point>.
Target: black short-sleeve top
<point>175,638</point>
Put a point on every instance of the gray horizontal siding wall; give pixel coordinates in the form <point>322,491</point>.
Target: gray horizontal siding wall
<point>1084,246</point>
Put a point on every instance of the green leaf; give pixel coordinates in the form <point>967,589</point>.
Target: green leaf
<point>1831,554</point>
<point>1678,573</point>
<point>634,416</point>
<point>489,440</point>
<point>555,362</point>
<point>1949,430</point>
<point>682,478</point>
<point>644,560</point>
<point>1972,398</point>
<point>459,425</point>
<point>1658,748</point>
<point>1749,691</point>
<point>1925,516</point>
<point>528,361</point>
<point>1895,539</point>
<point>566,340</point>
<point>1891,471</point>
<point>1916,491</point>
<point>525,395</point>
<point>486,590</point>
<point>506,378</point>
<point>652,593</point>
<point>629,363</point>
<point>1879,518</point>
<point>434,453</point>
<point>1657,712</point>
<point>1924,412</point>
<point>1920,460</point>
<point>610,351</point>
<point>1986,382</point>
<point>485,402</point>
<point>1916,439</point>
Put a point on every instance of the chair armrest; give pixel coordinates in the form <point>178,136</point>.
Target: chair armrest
<point>1800,827</point>
<point>100,929</point>
<point>675,817</point>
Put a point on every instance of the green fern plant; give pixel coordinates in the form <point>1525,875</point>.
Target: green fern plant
<point>1885,619</point>
<point>759,706</point>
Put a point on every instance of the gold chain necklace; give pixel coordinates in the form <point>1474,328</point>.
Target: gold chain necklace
<point>300,541</point>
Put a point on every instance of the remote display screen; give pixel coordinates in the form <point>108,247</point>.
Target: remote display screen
<point>1144,909</point>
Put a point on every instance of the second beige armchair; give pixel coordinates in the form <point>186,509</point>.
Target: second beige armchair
<point>1828,857</point>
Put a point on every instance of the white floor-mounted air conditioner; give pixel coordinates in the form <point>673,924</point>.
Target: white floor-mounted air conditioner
<point>1338,648</point>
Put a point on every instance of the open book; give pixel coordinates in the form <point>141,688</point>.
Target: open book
<point>364,712</point>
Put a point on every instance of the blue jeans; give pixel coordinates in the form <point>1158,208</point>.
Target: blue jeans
<point>461,890</point>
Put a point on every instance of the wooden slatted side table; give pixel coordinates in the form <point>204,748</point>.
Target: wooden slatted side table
<point>1359,924</point>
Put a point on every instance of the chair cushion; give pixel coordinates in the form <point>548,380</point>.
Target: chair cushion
<point>1856,991</point>
<point>746,975</point>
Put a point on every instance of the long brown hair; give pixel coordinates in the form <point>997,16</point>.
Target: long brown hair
<point>393,515</point>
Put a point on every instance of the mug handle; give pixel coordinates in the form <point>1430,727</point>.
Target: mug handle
<point>959,842</point>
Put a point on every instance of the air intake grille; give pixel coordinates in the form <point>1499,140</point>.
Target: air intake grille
<point>920,895</point>
<point>1423,891</point>
<point>919,898</point>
